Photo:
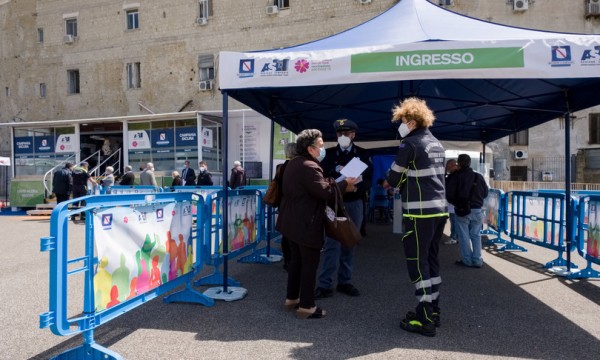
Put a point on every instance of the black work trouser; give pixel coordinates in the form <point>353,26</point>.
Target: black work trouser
<point>421,246</point>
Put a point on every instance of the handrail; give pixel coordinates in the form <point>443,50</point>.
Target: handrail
<point>95,171</point>
<point>51,171</point>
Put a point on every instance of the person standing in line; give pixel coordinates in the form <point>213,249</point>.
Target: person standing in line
<point>129,177</point>
<point>451,167</point>
<point>177,180</point>
<point>62,183</point>
<point>147,176</point>
<point>290,153</point>
<point>467,186</point>
<point>188,175</point>
<point>337,259</point>
<point>301,217</point>
<point>238,175</point>
<point>418,173</point>
<point>81,176</point>
<point>109,179</point>
<point>204,176</point>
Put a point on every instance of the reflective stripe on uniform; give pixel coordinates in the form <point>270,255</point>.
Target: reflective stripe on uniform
<point>436,280</point>
<point>397,168</point>
<point>425,298</point>
<point>423,284</point>
<point>435,295</point>
<point>426,172</point>
<point>432,204</point>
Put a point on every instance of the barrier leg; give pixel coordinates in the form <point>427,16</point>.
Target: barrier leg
<point>265,255</point>
<point>497,240</point>
<point>559,262</point>
<point>511,246</point>
<point>216,278</point>
<point>586,273</point>
<point>89,351</point>
<point>189,295</point>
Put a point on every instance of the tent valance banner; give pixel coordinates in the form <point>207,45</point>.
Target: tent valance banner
<point>483,80</point>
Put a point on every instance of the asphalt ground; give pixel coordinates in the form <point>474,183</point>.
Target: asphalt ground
<point>509,309</point>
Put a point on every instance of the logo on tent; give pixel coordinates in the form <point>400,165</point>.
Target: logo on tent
<point>159,215</point>
<point>301,66</point>
<point>591,56</point>
<point>246,68</point>
<point>561,56</point>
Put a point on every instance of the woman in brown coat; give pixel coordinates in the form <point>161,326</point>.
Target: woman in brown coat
<point>301,216</point>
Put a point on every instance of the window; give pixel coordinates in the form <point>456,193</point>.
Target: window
<point>133,20</point>
<point>40,34</point>
<point>594,128</point>
<point>134,80</point>
<point>519,138</point>
<point>42,90</point>
<point>205,9</point>
<point>71,27</point>
<point>206,65</point>
<point>282,4</point>
<point>73,79</point>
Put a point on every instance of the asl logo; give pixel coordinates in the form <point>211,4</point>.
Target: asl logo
<point>591,57</point>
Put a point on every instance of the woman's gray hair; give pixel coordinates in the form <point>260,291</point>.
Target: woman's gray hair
<point>305,139</point>
<point>290,150</point>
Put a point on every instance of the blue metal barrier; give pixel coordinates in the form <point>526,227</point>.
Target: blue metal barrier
<point>104,298</point>
<point>244,231</point>
<point>539,218</point>
<point>588,235</point>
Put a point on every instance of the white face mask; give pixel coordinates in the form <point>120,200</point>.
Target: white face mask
<point>344,141</point>
<point>202,169</point>
<point>404,130</point>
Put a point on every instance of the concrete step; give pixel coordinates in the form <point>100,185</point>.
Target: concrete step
<point>45,206</point>
<point>44,212</point>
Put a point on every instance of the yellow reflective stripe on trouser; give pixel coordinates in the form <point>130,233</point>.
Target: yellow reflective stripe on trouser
<point>429,216</point>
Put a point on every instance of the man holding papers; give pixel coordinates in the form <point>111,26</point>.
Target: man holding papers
<point>344,160</point>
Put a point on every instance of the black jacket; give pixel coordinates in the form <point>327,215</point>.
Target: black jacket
<point>335,157</point>
<point>128,178</point>
<point>205,178</point>
<point>461,185</point>
<point>62,182</point>
<point>419,171</point>
<point>189,176</point>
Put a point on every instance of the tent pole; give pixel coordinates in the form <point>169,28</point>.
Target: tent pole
<point>569,222</point>
<point>225,206</point>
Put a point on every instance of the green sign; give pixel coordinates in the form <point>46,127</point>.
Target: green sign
<point>26,193</point>
<point>450,59</point>
<point>281,136</point>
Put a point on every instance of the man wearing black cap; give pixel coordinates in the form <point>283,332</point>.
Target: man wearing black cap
<point>336,258</point>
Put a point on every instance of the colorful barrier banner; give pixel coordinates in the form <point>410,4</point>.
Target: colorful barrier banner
<point>241,224</point>
<point>534,223</point>
<point>492,208</point>
<point>139,249</point>
<point>593,239</point>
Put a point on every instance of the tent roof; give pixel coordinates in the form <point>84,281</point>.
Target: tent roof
<point>483,80</point>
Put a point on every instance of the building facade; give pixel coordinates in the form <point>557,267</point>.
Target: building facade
<point>85,59</point>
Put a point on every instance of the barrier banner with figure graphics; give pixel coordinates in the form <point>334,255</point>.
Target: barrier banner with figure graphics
<point>541,213</point>
<point>139,249</point>
<point>593,239</point>
<point>241,224</point>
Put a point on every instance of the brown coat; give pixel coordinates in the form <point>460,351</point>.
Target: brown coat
<point>302,209</point>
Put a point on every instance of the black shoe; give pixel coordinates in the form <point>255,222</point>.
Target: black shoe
<point>416,326</point>
<point>322,293</point>
<point>348,289</point>
<point>435,317</point>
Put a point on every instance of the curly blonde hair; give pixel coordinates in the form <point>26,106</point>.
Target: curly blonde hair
<point>413,109</point>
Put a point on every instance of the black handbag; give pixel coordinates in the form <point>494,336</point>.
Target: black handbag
<point>338,224</point>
